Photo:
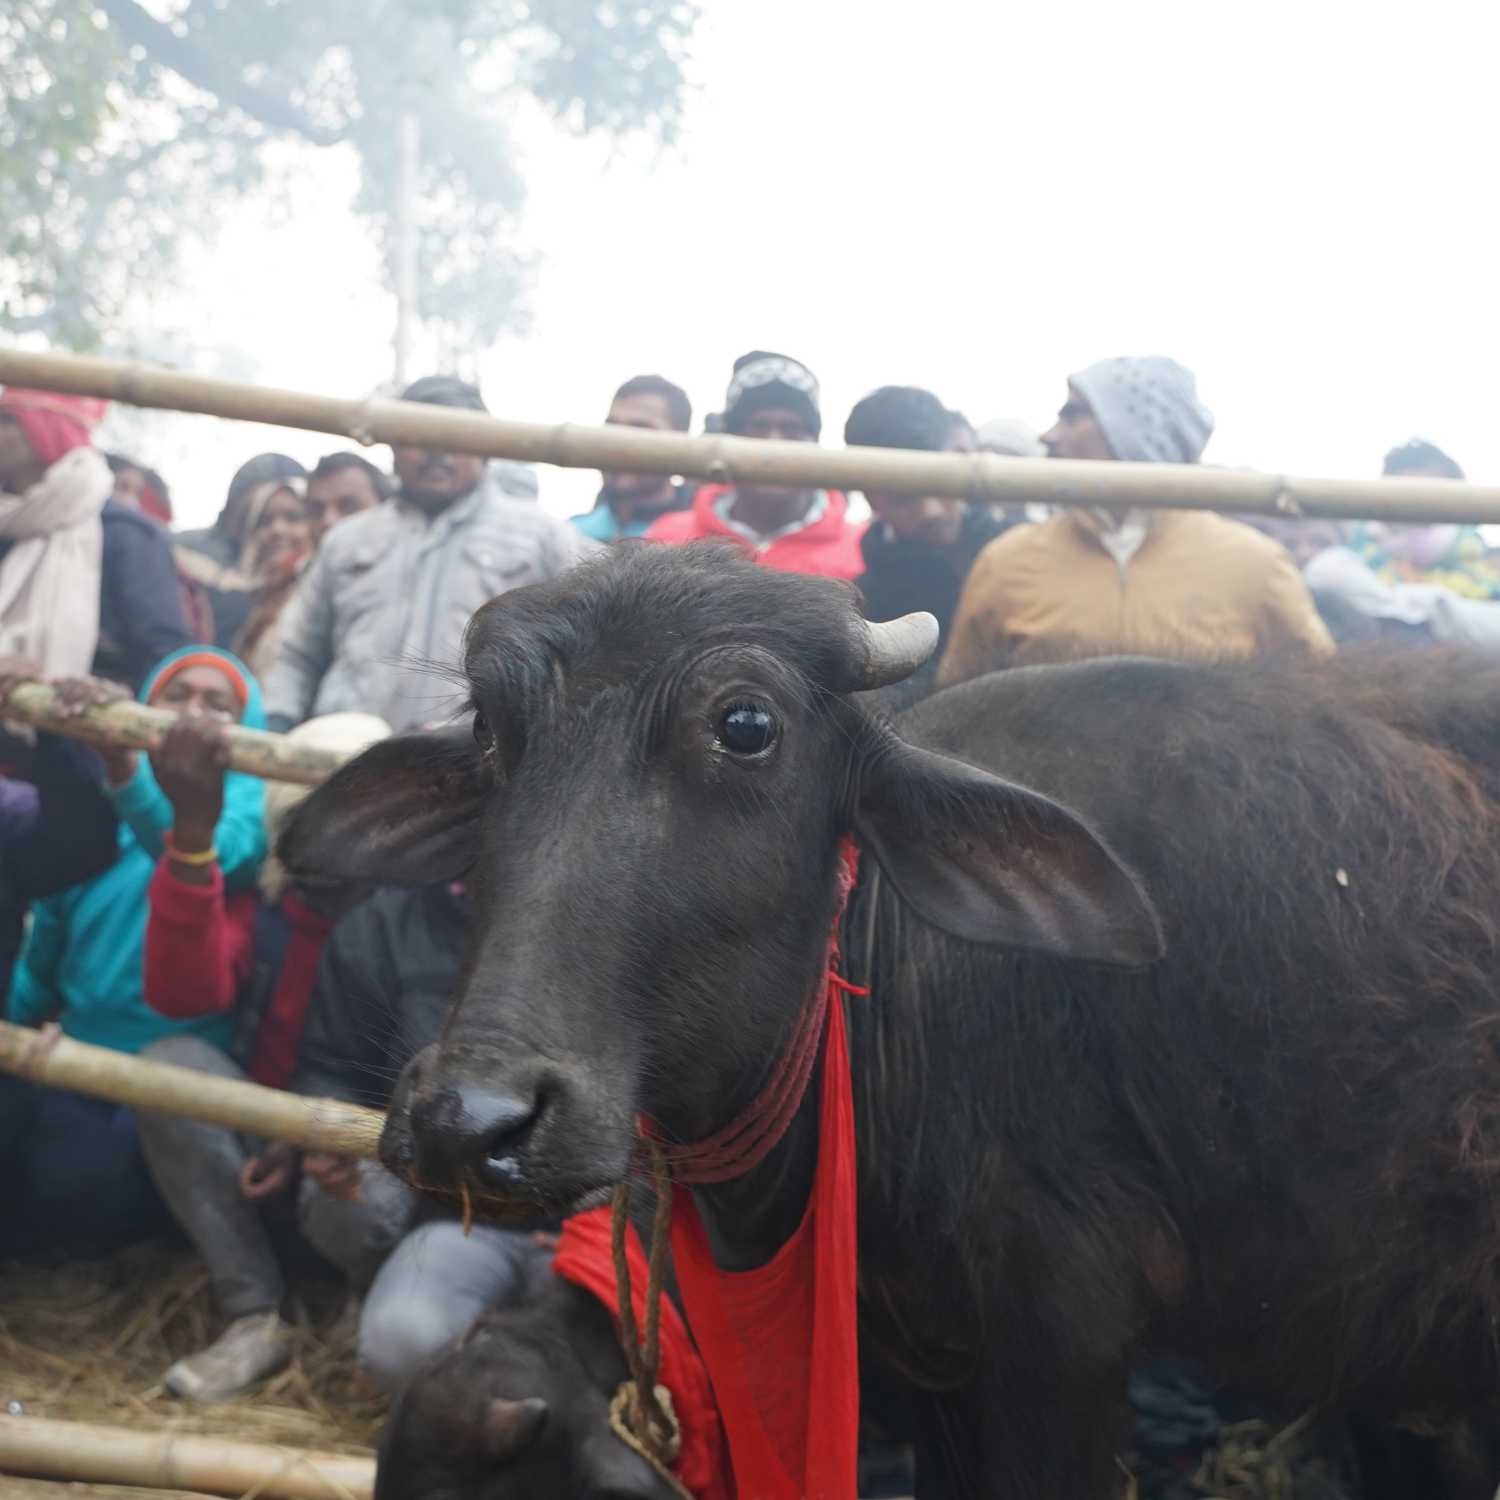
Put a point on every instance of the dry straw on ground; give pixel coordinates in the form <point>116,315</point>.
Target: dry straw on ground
<point>1257,1460</point>
<point>90,1342</point>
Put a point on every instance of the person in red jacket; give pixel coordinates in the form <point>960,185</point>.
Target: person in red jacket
<point>214,951</point>
<point>794,530</point>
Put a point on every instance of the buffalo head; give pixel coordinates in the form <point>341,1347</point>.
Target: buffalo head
<point>666,746</point>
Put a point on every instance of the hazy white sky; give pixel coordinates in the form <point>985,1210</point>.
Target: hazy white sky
<point>1296,199</point>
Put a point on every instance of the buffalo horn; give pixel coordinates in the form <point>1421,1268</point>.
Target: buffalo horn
<point>894,649</point>
<point>510,1427</point>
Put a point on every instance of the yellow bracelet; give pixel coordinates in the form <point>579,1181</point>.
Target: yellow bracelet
<point>202,857</point>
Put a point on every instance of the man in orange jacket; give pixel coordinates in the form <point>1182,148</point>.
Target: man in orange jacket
<point>1181,583</point>
<point>794,530</point>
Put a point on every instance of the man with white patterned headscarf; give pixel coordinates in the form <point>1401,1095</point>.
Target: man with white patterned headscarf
<point>1159,583</point>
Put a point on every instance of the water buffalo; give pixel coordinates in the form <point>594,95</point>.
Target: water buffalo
<point>1277,1148</point>
<point>518,1408</point>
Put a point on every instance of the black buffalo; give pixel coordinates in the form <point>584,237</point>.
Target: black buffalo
<point>1277,1148</point>
<point>518,1408</point>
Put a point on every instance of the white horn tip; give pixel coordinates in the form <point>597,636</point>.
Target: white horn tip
<point>898,647</point>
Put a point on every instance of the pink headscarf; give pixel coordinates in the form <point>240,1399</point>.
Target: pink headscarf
<point>54,424</point>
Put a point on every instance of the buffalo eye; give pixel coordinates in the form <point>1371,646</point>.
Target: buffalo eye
<point>746,729</point>
<point>484,736</point>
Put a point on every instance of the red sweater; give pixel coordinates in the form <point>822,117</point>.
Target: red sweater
<point>200,951</point>
<point>829,546</point>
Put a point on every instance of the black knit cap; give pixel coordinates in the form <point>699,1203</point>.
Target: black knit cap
<point>761,379</point>
<point>445,390</point>
<point>899,416</point>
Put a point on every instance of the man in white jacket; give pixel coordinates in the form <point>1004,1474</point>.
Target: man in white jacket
<point>380,614</point>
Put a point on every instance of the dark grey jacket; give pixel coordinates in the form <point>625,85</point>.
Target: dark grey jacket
<point>385,982</point>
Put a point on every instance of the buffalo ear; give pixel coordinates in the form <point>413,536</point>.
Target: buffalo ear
<point>995,863</point>
<point>405,812</point>
<point>510,1427</point>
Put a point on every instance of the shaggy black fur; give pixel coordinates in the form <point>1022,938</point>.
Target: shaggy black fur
<point>1278,1148</point>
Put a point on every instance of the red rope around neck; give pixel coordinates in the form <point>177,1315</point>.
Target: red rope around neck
<point>750,1137</point>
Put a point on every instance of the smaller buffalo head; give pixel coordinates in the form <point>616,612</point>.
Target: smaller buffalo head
<point>518,1408</point>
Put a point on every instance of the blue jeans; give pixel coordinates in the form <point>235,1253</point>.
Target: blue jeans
<point>72,1178</point>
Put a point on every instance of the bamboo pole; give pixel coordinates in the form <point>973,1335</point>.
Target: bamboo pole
<point>974,476</point>
<point>92,1453</point>
<point>327,1125</point>
<point>133,726</point>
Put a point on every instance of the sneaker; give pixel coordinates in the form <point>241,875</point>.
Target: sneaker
<point>248,1350</point>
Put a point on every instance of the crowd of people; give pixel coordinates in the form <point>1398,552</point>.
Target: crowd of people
<point>142,910</point>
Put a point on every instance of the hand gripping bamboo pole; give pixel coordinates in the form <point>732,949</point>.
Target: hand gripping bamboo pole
<point>133,726</point>
<point>327,1125</point>
<point>87,1452</point>
<point>973,476</point>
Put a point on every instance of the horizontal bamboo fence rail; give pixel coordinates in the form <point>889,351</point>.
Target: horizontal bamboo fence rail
<point>327,1125</point>
<point>133,726</point>
<point>978,476</point>
<point>85,1452</point>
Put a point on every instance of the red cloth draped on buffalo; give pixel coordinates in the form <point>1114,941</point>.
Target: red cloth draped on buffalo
<point>584,1258</point>
<point>781,1342</point>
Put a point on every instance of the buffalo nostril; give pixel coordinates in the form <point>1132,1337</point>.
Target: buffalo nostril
<point>499,1127</point>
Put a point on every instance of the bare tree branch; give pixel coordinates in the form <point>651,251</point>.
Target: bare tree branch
<point>42,322</point>
<point>204,71</point>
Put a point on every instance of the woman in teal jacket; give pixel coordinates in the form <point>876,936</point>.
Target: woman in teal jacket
<point>71,1172</point>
